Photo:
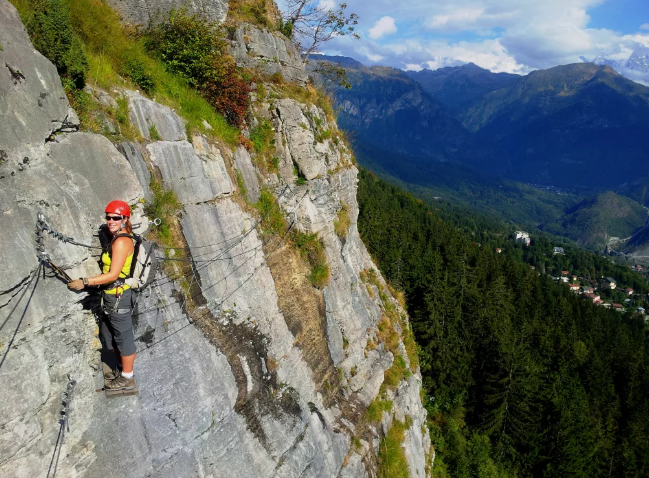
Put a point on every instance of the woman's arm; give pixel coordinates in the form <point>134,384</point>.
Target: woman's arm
<point>121,249</point>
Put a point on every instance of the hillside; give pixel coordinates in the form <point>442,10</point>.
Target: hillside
<point>460,87</point>
<point>578,127</point>
<point>594,221</point>
<point>268,344</point>
<point>570,126</point>
<point>525,378</point>
<point>389,110</point>
<point>454,183</point>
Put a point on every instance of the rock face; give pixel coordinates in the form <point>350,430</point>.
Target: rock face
<point>270,52</point>
<point>244,368</point>
<point>143,12</point>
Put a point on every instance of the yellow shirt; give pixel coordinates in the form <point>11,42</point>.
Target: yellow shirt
<point>126,270</point>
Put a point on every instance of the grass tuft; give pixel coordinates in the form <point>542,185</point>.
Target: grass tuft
<point>342,224</point>
<point>392,458</point>
<point>273,221</point>
<point>165,205</point>
<point>311,249</point>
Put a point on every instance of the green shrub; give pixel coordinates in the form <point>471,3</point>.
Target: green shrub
<point>188,45</point>
<point>153,133</point>
<point>395,374</point>
<point>165,205</point>
<point>136,71</point>
<point>242,185</point>
<point>196,49</point>
<point>285,28</point>
<point>343,222</point>
<point>50,29</point>
<point>262,138</point>
<point>374,412</point>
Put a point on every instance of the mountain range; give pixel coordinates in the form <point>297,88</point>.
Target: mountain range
<point>476,136</point>
<point>635,67</point>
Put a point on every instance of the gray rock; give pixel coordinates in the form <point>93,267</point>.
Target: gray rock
<point>210,153</point>
<point>271,52</point>
<point>143,12</point>
<point>33,104</point>
<point>194,180</point>
<point>230,391</point>
<point>71,183</point>
<point>354,468</point>
<point>243,163</point>
<point>145,113</point>
<point>300,139</point>
<point>133,155</point>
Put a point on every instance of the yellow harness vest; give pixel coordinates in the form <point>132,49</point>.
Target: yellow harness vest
<point>126,270</point>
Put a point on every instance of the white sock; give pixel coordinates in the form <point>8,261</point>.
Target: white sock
<point>127,375</point>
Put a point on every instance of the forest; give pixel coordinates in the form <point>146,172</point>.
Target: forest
<point>523,379</point>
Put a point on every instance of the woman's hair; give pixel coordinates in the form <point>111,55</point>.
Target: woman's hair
<point>128,228</point>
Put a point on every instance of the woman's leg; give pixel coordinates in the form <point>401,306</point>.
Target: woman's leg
<point>127,363</point>
<point>122,325</point>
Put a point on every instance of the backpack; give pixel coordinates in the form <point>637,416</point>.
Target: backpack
<point>144,265</point>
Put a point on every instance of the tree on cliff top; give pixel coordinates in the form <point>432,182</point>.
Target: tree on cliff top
<point>310,23</point>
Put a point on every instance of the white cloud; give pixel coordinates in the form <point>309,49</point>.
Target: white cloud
<point>384,26</point>
<point>502,35</point>
<point>456,19</point>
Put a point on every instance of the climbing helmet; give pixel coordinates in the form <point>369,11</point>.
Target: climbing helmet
<point>118,207</point>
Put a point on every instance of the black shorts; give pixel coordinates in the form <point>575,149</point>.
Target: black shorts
<point>117,328</point>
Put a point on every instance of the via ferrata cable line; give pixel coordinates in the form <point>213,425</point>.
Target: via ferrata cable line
<point>37,276</point>
<point>213,310</point>
<point>216,308</point>
<point>64,425</point>
<point>255,249</point>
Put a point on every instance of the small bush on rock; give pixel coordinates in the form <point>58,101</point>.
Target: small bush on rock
<point>51,32</point>
<point>136,71</point>
<point>196,49</point>
<point>311,248</point>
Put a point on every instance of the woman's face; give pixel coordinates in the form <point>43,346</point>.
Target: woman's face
<point>114,222</point>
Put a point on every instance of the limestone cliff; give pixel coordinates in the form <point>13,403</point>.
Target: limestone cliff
<point>143,12</point>
<point>245,369</point>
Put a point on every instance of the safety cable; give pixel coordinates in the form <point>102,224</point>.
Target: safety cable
<point>197,269</point>
<point>221,301</point>
<point>64,425</point>
<point>37,275</point>
<point>221,253</point>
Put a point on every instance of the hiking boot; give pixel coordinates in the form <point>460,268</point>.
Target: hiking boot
<point>112,374</point>
<point>121,383</point>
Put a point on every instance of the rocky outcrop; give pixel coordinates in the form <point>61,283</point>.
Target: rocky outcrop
<point>270,52</point>
<point>144,12</point>
<point>244,368</point>
<point>151,118</point>
<point>33,105</point>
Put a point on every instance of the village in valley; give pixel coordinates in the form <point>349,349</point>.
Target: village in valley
<point>604,291</point>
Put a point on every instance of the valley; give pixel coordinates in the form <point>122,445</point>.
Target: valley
<point>563,150</point>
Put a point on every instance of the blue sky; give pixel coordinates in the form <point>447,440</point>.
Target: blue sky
<point>515,36</point>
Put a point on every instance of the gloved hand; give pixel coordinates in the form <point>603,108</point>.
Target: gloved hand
<point>76,285</point>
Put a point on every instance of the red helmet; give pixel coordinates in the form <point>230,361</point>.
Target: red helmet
<point>118,207</point>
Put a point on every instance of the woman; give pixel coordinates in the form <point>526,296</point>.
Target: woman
<point>117,322</point>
